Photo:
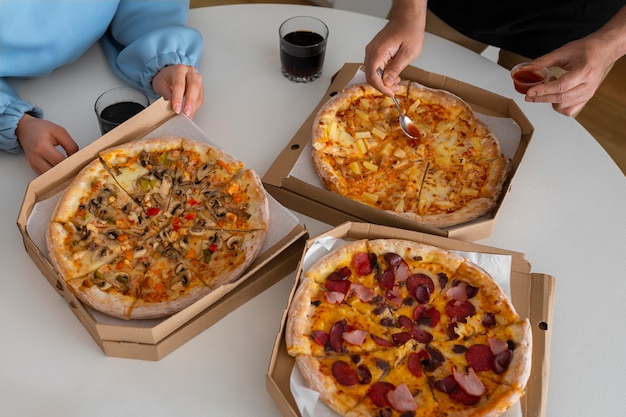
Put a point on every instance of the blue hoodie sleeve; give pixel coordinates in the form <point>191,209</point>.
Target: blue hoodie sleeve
<point>12,109</point>
<point>145,37</point>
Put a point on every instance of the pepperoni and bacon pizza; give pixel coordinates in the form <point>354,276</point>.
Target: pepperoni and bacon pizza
<point>452,173</point>
<point>390,327</point>
<point>151,226</point>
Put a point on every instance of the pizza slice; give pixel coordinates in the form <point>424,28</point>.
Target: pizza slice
<point>146,170</point>
<point>96,200</point>
<point>403,391</point>
<point>472,303</point>
<point>322,326</point>
<point>485,372</point>
<point>342,381</point>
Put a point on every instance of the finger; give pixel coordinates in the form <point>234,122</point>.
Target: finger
<point>194,93</point>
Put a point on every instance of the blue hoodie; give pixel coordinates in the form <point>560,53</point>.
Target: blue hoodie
<point>139,38</point>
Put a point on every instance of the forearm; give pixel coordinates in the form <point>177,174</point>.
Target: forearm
<point>413,11</point>
<point>612,36</point>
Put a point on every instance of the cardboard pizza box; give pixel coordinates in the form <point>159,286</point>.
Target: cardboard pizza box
<point>153,339</point>
<point>532,295</point>
<point>292,179</point>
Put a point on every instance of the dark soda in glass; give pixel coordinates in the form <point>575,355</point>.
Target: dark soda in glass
<point>302,55</point>
<point>117,113</point>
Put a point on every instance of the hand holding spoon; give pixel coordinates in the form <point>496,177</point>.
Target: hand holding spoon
<point>407,125</point>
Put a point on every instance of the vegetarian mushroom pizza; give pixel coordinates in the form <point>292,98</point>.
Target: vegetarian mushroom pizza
<point>390,327</point>
<point>452,173</point>
<point>151,226</point>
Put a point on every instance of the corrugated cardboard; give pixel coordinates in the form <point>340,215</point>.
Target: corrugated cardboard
<point>153,339</point>
<point>334,209</point>
<point>532,295</point>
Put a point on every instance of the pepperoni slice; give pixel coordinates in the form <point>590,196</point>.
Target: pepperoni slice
<point>428,316</point>
<point>421,287</point>
<point>320,337</point>
<point>387,279</point>
<point>414,364</point>
<point>339,274</point>
<point>401,338</point>
<point>378,393</point>
<point>392,259</point>
<point>381,342</point>
<point>361,263</point>
<point>405,322</point>
<point>421,335</point>
<point>342,286</point>
<point>335,338</point>
<point>344,374</point>
<point>459,310</point>
<point>479,357</point>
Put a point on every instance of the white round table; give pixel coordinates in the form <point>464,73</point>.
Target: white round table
<point>565,211</point>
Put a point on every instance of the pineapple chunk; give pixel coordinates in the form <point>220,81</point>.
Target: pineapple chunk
<point>377,132</point>
<point>387,149</point>
<point>360,146</point>
<point>414,106</point>
<point>355,167</point>
<point>369,197</point>
<point>363,135</point>
<point>477,143</point>
<point>345,139</point>
<point>370,166</point>
<point>362,115</point>
<point>443,160</point>
<point>399,153</point>
<point>469,192</point>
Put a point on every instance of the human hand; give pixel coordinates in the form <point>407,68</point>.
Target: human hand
<point>586,63</point>
<point>178,82</point>
<point>395,46</point>
<point>39,139</point>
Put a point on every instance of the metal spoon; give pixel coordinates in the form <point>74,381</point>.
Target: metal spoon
<point>407,125</point>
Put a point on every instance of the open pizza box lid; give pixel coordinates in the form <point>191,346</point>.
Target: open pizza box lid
<point>153,339</point>
<point>293,181</point>
<point>532,295</point>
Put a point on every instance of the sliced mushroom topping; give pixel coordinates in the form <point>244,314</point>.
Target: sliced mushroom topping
<point>234,242</point>
<point>139,252</point>
<point>112,234</point>
<point>171,254</point>
<point>196,230</point>
<point>204,170</point>
<point>181,276</point>
<point>101,254</point>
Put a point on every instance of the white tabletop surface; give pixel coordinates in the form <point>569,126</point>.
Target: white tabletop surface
<point>565,212</point>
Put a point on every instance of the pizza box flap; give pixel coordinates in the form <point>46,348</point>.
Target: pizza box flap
<point>314,200</point>
<point>532,295</point>
<point>152,339</point>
